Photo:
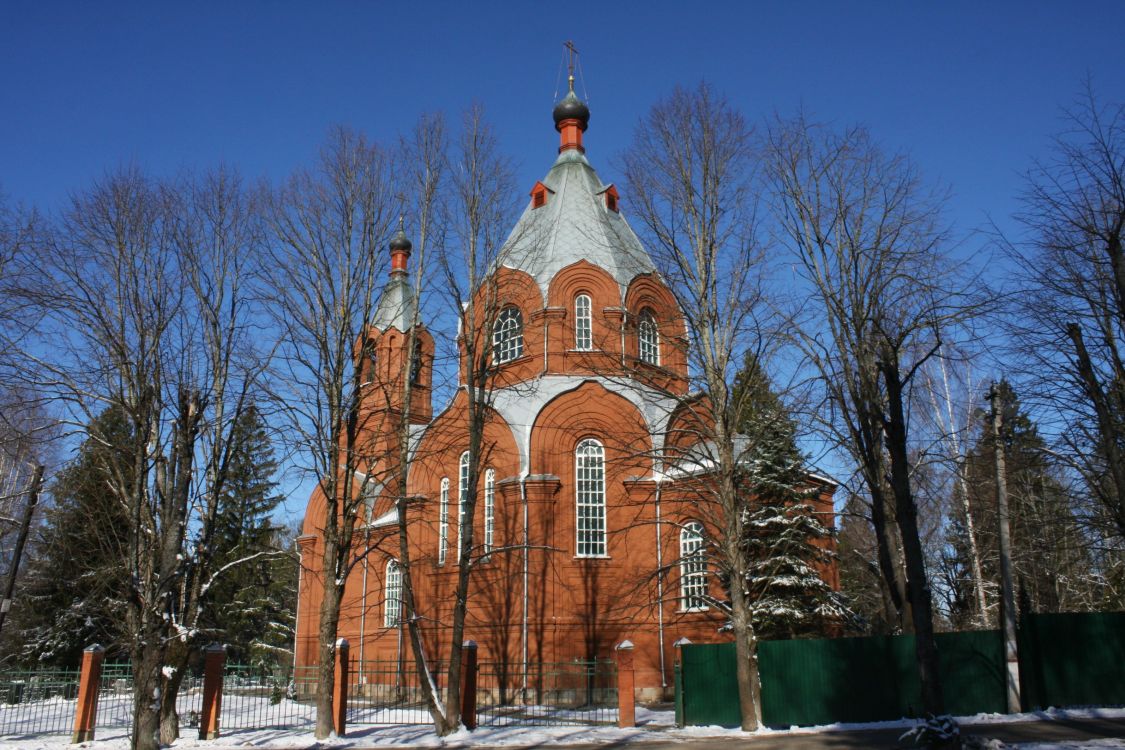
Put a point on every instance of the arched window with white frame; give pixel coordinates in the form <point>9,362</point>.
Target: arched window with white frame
<point>648,338</point>
<point>462,498</point>
<point>507,335</point>
<point>589,475</point>
<point>443,522</point>
<point>489,509</point>
<point>693,568</point>
<point>583,324</point>
<point>392,595</point>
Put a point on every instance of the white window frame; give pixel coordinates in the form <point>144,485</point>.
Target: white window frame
<point>392,589</point>
<point>693,568</point>
<point>489,509</point>
<point>648,338</point>
<point>583,323</point>
<point>589,499</point>
<point>443,522</point>
<point>507,335</point>
<point>462,495</point>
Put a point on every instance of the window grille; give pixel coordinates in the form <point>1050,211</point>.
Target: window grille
<point>648,339</point>
<point>693,567</point>
<point>462,498</point>
<point>507,335</point>
<point>590,498</point>
<point>443,522</point>
<point>583,338</point>
<point>489,508</point>
<point>393,596</point>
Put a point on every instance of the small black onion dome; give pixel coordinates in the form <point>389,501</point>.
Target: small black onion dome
<point>400,242</point>
<point>571,108</point>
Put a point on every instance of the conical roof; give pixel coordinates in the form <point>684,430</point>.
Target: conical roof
<point>396,305</point>
<point>574,224</point>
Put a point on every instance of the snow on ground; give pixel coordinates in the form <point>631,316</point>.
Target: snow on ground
<point>1069,745</point>
<point>652,725</point>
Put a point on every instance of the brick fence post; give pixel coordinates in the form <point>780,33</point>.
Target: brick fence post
<point>340,689</point>
<point>214,661</point>
<point>89,683</point>
<point>469,684</point>
<point>626,695</point>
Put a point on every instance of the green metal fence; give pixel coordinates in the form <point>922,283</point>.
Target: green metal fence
<point>706,686</point>
<point>1072,660</point>
<point>873,679</point>
<point>37,701</point>
<point>1065,660</point>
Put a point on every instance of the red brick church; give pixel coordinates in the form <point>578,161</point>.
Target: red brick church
<point>585,540</point>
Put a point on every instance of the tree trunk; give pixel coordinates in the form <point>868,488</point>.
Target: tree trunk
<point>169,718</point>
<point>329,620</point>
<point>746,658</point>
<point>918,586</point>
<point>146,694</point>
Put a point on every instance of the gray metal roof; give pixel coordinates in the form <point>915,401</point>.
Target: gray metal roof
<point>396,305</point>
<point>574,224</point>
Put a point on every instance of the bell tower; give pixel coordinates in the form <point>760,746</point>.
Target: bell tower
<point>386,356</point>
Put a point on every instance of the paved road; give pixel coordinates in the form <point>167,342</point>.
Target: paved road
<point>1030,731</point>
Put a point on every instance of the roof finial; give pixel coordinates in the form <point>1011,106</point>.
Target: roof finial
<point>400,249</point>
<point>571,113</point>
<point>572,53</point>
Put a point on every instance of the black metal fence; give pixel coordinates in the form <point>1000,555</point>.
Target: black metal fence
<point>578,693</point>
<point>262,697</point>
<point>379,693</point>
<point>390,692</point>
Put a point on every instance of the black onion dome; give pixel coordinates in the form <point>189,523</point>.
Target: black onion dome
<point>400,242</point>
<point>571,108</point>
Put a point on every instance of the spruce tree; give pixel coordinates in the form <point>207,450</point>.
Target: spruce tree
<point>1050,552</point>
<point>253,599</point>
<point>785,537</point>
<point>76,584</point>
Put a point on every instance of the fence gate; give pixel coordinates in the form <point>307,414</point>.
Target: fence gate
<point>707,686</point>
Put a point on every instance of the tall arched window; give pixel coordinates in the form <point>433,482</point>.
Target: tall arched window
<point>583,334</point>
<point>443,522</point>
<point>507,335</point>
<point>392,595</point>
<point>489,508</point>
<point>462,498</point>
<point>693,568</point>
<point>648,338</point>
<point>589,474</point>
<point>416,363</point>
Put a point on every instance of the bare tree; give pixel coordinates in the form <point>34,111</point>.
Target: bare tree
<point>867,239</point>
<point>690,170</point>
<point>320,281</point>
<point>130,323</point>
<point>1069,316</point>
<point>464,226</point>
<point>952,421</point>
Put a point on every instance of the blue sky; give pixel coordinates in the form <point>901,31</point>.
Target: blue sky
<point>971,90</point>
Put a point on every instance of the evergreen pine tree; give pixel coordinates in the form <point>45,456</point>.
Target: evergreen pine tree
<point>253,600</point>
<point>1050,554</point>
<point>74,591</point>
<point>785,537</point>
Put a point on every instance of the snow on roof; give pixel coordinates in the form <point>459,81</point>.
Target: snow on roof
<point>574,224</point>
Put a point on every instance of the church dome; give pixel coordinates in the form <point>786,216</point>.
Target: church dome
<point>571,108</point>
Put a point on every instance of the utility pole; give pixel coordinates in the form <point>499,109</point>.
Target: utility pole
<point>1007,594</point>
<point>25,524</point>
